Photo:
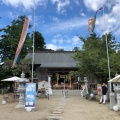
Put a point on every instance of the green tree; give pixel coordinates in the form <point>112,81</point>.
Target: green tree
<point>92,59</point>
<point>8,45</point>
<point>60,49</point>
<point>76,49</point>
<point>24,66</point>
<point>10,39</point>
<point>39,43</point>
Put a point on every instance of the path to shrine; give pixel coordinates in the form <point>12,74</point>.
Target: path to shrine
<point>75,108</point>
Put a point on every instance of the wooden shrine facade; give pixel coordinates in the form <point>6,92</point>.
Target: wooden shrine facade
<point>58,64</point>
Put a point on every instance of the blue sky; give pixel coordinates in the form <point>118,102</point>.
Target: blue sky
<point>61,21</point>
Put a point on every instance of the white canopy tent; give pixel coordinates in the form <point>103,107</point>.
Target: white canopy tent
<point>115,79</point>
<point>15,78</point>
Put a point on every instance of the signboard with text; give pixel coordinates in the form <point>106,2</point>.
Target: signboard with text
<point>30,98</point>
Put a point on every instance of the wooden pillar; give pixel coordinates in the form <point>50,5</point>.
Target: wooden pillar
<point>70,81</point>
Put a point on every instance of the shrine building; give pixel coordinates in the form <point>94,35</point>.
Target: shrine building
<point>57,64</point>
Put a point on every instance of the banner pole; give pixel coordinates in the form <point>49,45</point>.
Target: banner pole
<point>33,42</point>
<point>107,51</point>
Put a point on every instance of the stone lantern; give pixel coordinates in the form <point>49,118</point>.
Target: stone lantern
<point>21,90</point>
<point>117,91</point>
<point>115,96</point>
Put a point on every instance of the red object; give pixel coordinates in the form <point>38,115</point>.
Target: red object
<point>99,89</point>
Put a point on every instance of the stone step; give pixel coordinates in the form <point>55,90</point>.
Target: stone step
<point>51,117</point>
<point>57,112</point>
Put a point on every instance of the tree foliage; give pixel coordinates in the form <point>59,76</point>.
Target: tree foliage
<point>92,59</point>
<point>39,43</point>
<point>8,71</point>
<point>8,44</point>
<point>76,49</point>
<point>10,39</point>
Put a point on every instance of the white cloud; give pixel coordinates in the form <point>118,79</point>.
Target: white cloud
<point>77,2</point>
<point>16,3</point>
<point>30,17</point>
<point>114,21</point>
<point>67,25</point>
<point>11,15</point>
<point>107,24</point>
<point>51,46</point>
<point>54,19</point>
<point>110,20</point>
<point>12,2</point>
<point>82,14</point>
<point>58,39</point>
<point>26,3</point>
<point>61,5</point>
<point>94,4</point>
<point>63,41</point>
<point>55,47</point>
<point>104,23</point>
<point>54,40</point>
<point>66,42</point>
<point>116,10</point>
<point>75,40</point>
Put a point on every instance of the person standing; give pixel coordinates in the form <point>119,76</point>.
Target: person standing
<point>104,94</point>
